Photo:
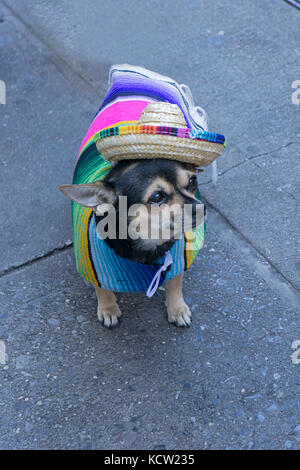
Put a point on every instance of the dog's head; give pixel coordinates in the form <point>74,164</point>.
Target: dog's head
<point>142,206</point>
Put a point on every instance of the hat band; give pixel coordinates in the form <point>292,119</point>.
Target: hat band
<point>164,130</point>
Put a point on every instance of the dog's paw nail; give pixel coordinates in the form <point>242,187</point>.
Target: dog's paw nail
<point>181,316</point>
<point>109,317</point>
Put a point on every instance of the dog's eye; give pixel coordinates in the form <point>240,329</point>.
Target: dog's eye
<point>192,183</point>
<point>159,197</point>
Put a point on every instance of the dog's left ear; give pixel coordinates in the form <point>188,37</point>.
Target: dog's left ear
<point>90,195</point>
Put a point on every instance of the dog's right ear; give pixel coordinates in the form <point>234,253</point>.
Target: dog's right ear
<point>91,194</point>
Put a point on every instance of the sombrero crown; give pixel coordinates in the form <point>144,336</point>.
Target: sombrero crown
<point>162,130</point>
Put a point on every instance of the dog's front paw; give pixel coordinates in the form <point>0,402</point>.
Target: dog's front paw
<point>180,315</point>
<point>109,316</point>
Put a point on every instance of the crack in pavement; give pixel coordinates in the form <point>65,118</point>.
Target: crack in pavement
<point>284,279</point>
<point>14,268</point>
<point>252,157</point>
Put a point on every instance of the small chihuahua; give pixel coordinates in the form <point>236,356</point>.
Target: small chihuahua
<point>158,185</point>
<point>147,141</point>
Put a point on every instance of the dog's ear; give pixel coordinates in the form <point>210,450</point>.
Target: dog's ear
<point>91,194</point>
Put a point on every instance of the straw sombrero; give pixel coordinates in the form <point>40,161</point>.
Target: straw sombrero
<point>161,132</point>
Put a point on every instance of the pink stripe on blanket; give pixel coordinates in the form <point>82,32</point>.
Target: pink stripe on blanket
<point>129,110</point>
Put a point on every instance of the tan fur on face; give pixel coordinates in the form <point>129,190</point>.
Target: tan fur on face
<point>159,184</point>
<point>156,224</point>
<point>129,168</point>
<point>183,177</point>
<point>157,229</point>
<point>177,199</point>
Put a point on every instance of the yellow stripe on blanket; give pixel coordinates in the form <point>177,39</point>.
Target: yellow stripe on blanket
<point>194,242</point>
<point>81,243</point>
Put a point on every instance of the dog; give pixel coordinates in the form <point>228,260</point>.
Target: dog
<point>145,145</point>
<point>160,186</point>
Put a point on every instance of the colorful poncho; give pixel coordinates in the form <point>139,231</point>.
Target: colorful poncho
<point>128,95</point>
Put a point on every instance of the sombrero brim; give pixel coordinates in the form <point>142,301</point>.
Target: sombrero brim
<point>139,141</point>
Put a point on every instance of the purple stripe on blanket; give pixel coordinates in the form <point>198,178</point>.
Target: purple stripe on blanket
<point>126,85</point>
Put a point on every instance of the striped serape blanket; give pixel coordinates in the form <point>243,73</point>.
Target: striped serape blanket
<point>130,91</point>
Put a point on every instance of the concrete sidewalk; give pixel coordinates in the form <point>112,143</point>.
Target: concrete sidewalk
<point>228,381</point>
